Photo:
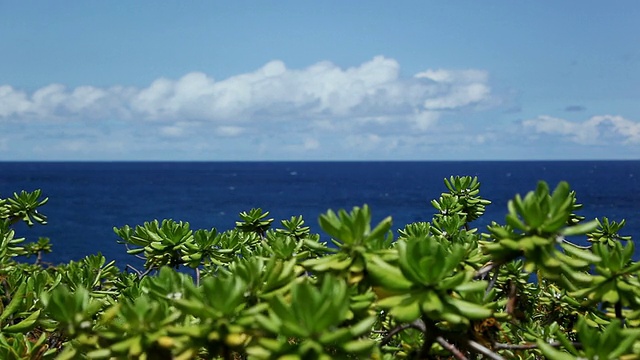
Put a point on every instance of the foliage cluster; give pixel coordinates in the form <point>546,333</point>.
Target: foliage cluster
<point>438,289</point>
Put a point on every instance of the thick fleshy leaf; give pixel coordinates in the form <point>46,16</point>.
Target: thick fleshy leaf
<point>406,311</point>
<point>470,310</point>
<point>383,274</point>
<point>580,229</point>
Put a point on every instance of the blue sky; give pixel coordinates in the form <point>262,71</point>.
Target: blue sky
<point>330,80</point>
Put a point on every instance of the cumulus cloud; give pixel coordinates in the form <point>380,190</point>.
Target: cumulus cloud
<point>591,131</point>
<point>455,89</point>
<point>55,101</point>
<point>373,91</point>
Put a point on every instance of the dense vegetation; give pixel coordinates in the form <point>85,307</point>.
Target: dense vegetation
<point>439,289</point>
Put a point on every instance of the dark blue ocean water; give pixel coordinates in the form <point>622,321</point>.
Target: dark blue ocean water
<point>88,199</point>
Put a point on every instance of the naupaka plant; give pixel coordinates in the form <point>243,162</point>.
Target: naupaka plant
<point>543,283</point>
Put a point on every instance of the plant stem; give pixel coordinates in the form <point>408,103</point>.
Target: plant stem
<point>492,283</point>
<point>418,325</point>
<point>477,347</point>
<point>483,271</point>
<point>451,348</point>
<point>430,336</point>
<point>618,309</point>
<point>38,258</point>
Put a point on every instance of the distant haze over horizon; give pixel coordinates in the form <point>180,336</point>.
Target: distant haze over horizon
<point>319,81</point>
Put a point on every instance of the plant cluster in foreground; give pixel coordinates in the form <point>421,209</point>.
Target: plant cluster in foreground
<point>437,290</point>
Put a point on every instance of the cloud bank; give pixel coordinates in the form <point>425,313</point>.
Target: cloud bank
<point>371,92</point>
<point>595,130</point>
<point>323,111</point>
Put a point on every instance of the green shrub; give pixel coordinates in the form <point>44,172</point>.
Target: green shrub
<point>440,289</point>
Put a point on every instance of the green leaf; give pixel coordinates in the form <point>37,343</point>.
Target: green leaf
<point>122,346</point>
<point>381,229</point>
<point>560,198</point>
<point>580,229</point>
<point>99,354</point>
<point>562,339</point>
<point>293,329</point>
<point>472,286</point>
<point>16,302</point>
<point>625,346</point>
<point>454,281</point>
<point>336,336</point>
<point>408,261</point>
<point>363,326</point>
<point>191,306</point>
<point>68,353</point>
<point>431,303</point>
<point>580,253</point>
<point>611,295</point>
<point>578,276</point>
<point>330,224</point>
<point>470,310</point>
<point>381,273</point>
<point>23,326</point>
<point>551,353</point>
<point>281,309</point>
<point>407,311</point>
<point>358,346</point>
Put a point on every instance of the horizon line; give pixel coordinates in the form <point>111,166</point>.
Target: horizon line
<point>309,161</point>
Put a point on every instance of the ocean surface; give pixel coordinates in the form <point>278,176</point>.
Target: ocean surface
<point>87,199</point>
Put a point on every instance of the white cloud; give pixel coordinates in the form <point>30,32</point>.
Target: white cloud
<point>323,92</point>
<point>311,144</point>
<point>590,131</point>
<point>13,102</point>
<point>366,142</point>
<point>273,112</point>
<point>229,131</point>
<point>426,119</point>
<point>55,101</point>
<point>172,131</point>
<point>449,77</point>
<point>456,89</point>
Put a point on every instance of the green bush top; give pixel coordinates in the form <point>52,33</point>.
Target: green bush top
<point>440,289</point>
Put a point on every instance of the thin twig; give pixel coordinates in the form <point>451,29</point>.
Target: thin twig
<point>483,271</point>
<point>140,274</point>
<point>501,346</point>
<point>134,269</point>
<point>512,299</point>
<point>136,255</point>
<point>492,283</point>
<point>146,272</point>
<point>418,325</point>
<point>393,332</point>
<point>451,348</point>
<point>477,347</point>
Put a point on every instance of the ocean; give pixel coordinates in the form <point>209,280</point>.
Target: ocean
<point>87,199</point>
